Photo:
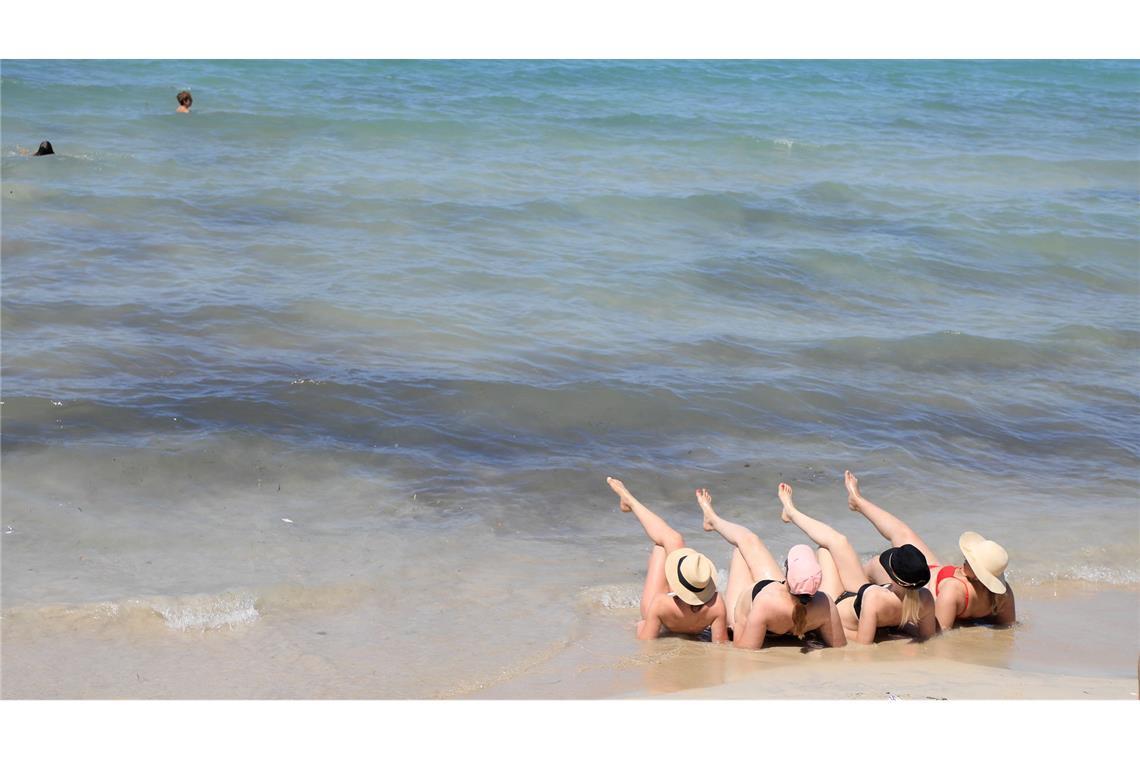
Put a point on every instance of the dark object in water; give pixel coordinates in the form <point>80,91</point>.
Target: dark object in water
<point>45,149</point>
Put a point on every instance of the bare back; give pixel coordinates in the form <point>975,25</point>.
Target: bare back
<point>959,597</point>
<point>771,612</point>
<point>679,617</point>
<point>882,608</point>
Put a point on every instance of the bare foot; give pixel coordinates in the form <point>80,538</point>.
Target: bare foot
<point>704,498</point>
<point>626,503</point>
<point>785,493</point>
<point>854,498</point>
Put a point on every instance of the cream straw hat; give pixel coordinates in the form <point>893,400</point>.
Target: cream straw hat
<point>691,576</point>
<point>987,559</point>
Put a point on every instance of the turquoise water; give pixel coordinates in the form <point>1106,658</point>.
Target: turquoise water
<point>409,305</point>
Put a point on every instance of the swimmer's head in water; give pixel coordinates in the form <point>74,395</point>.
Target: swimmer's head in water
<point>45,149</point>
<point>184,99</point>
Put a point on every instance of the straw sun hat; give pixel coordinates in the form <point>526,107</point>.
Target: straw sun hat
<point>691,576</point>
<point>987,559</point>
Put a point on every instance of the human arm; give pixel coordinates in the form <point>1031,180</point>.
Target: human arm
<point>1006,613</point>
<point>832,631</point>
<point>751,634</point>
<point>927,619</point>
<point>720,629</point>
<point>949,602</point>
<point>650,628</point>
<point>869,616</point>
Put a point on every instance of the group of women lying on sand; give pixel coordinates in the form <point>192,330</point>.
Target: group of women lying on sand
<point>906,589</point>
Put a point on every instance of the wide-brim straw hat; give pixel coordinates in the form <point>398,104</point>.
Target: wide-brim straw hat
<point>987,559</point>
<point>691,576</point>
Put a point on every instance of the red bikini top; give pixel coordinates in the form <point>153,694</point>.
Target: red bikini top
<point>948,571</point>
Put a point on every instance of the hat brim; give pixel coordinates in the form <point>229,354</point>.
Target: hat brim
<point>967,543</point>
<point>885,561</point>
<point>675,585</point>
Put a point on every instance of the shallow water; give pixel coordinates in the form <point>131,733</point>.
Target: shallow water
<point>421,309</point>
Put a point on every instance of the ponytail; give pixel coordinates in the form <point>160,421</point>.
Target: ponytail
<point>799,619</point>
<point>911,607</point>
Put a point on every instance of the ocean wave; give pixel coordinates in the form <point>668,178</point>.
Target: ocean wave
<point>206,612</point>
<point>185,613</point>
<point>556,405</point>
<point>1081,574</point>
<point>830,192</point>
<point>947,350</point>
<point>719,212</point>
<point>1083,336</point>
<point>627,596</point>
<point>196,612</point>
<point>611,596</point>
<point>644,121</point>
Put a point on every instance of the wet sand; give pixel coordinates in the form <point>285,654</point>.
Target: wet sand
<point>1074,642</point>
<point>930,679</point>
<point>1054,653</point>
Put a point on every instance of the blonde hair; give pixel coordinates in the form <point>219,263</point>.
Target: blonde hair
<point>911,607</point>
<point>799,618</point>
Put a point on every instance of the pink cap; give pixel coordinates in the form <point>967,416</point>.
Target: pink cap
<point>804,573</point>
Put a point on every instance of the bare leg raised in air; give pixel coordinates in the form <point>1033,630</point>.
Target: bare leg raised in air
<point>664,539</point>
<point>892,528</point>
<point>751,560</point>
<point>851,575</point>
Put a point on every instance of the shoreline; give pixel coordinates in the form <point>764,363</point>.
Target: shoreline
<point>972,663</point>
<point>1050,654</point>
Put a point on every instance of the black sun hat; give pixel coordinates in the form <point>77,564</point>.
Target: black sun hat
<point>906,565</point>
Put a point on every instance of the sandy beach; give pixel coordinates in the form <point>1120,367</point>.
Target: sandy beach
<point>931,679</point>
<point>1050,655</point>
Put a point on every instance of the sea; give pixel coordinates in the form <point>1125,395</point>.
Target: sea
<point>313,391</point>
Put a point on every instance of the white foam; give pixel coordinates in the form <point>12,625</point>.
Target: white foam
<point>1099,574</point>
<point>612,597</point>
<point>628,596</point>
<point>207,612</point>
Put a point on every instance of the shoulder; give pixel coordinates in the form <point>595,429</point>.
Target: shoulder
<point>718,606</point>
<point>762,606</point>
<point>955,590</point>
<point>876,596</point>
<point>663,603</point>
<point>951,596</point>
